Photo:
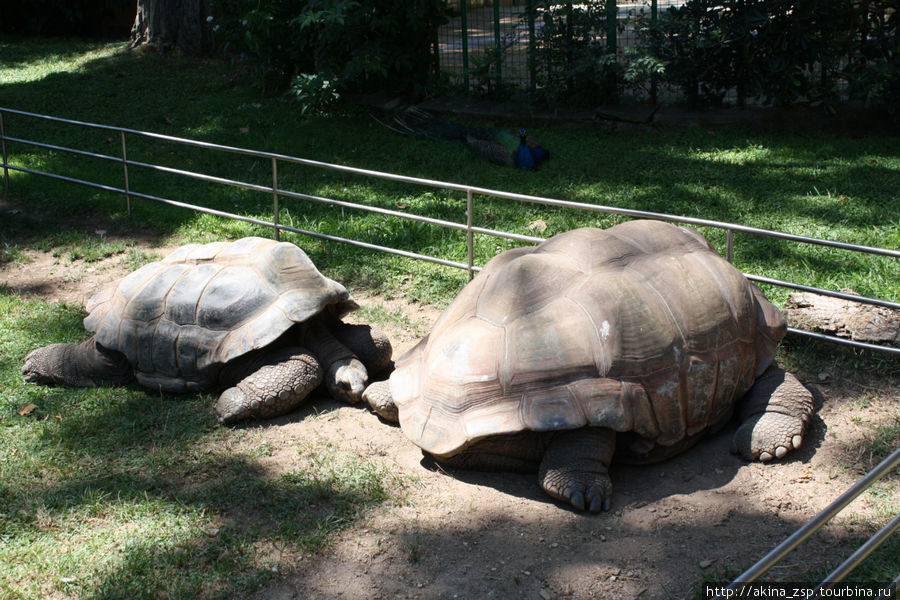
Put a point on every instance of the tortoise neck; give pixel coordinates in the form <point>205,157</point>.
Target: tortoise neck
<point>318,338</point>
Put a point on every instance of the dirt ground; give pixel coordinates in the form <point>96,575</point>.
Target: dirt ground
<point>704,515</point>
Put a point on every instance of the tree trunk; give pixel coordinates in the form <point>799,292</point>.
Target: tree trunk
<point>843,318</point>
<point>172,24</point>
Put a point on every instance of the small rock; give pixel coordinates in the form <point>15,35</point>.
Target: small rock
<point>705,564</point>
<point>546,595</point>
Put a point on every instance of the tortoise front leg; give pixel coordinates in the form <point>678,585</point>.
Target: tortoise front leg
<point>275,383</point>
<point>774,416</point>
<point>575,467</point>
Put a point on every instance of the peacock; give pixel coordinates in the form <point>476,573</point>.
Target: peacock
<point>499,146</point>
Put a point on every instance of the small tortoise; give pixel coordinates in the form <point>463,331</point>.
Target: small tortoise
<point>253,317</point>
<point>634,341</point>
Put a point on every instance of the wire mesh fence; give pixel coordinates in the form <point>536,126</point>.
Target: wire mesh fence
<point>489,44</point>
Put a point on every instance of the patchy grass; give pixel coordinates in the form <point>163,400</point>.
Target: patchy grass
<point>805,182</point>
<point>120,493</point>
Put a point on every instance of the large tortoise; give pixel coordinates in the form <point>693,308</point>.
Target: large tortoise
<point>253,317</point>
<point>635,341</point>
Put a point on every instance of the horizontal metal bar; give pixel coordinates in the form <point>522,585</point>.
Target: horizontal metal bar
<point>479,190</point>
<point>844,341</point>
<point>373,209</point>
<point>203,177</point>
<point>90,184</point>
<point>446,185</point>
<point>823,292</point>
<point>511,236</point>
<point>334,238</point>
<point>861,553</point>
<point>202,209</point>
<point>816,523</point>
<point>133,194</point>
<point>64,149</point>
<point>220,213</point>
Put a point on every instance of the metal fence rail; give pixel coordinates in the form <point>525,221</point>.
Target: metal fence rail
<point>468,226</point>
<point>801,535</point>
<point>470,229</point>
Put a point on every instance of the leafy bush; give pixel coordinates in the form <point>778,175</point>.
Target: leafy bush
<point>365,44</point>
<point>874,77</point>
<point>572,60</point>
<point>780,51</point>
<point>314,93</point>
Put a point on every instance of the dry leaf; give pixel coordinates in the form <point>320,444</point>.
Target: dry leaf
<point>538,225</point>
<point>27,409</point>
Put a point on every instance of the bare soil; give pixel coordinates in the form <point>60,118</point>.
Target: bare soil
<point>704,515</point>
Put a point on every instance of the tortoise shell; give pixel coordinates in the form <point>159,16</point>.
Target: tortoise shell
<point>642,327</point>
<point>179,319</point>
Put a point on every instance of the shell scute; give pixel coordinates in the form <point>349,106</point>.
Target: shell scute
<point>554,343</point>
<point>181,302</point>
<point>178,319</point>
<point>232,295</point>
<point>640,328</point>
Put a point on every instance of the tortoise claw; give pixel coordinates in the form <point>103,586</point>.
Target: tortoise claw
<point>584,491</point>
<point>768,436</point>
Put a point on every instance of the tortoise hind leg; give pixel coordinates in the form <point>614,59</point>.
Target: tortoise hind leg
<point>269,384</point>
<point>79,365</point>
<point>774,416</point>
<point>575,467</point>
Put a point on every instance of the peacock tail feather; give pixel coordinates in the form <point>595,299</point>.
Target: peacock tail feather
<point>497,145</point>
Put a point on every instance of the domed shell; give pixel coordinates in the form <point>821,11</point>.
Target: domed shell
<point>204,305</point>
<point>642,327</point>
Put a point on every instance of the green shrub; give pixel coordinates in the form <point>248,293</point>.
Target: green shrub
<point>571,61</point>
<point>314,93</point>
<point>780,51</point>
<point>366,44</point>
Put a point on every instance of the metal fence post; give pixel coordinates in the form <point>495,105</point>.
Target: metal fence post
<point>125,171</point>
<point>729,245</point>
<point>532,47</point>
<point>275,199</point>
<point>654,36</point>
<point>498,43</point>
<point>612,16</point>
<point>5,167</point>
<point>464,33</point>
<point>470,238</point>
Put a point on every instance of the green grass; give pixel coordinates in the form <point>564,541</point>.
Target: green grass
<point>119,493</point>
<point>807,182</point>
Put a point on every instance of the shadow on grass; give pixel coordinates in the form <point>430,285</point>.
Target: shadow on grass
<point>170,502</point>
